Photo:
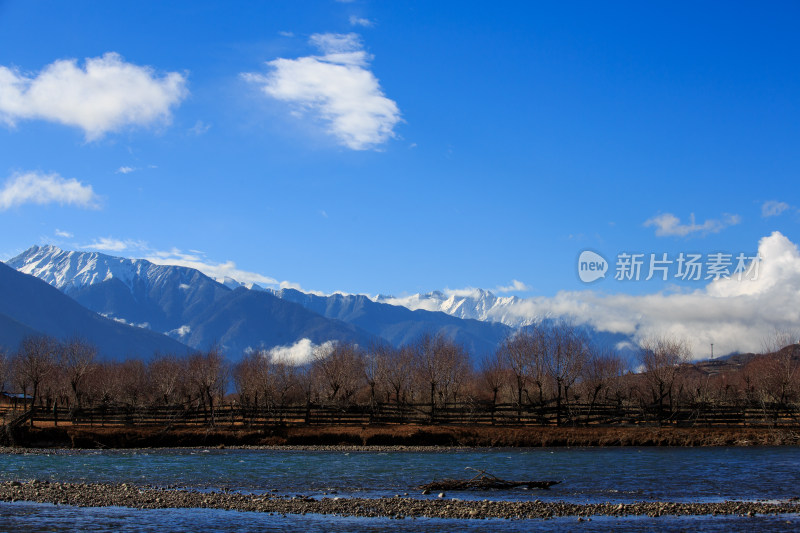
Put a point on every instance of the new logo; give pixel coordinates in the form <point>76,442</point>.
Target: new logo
<point>591,266</point>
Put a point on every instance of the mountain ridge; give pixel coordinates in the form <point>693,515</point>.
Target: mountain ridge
<point>31,306</point>
<point>193,308</point>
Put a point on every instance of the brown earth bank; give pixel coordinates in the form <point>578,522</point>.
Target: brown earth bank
<point>398,435</point>
<point>439,506</point>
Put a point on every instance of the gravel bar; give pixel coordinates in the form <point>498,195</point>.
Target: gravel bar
<point>434,506</point>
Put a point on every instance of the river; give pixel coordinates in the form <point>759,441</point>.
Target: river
<point>587,475</point>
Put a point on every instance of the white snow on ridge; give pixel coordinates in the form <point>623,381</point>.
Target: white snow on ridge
<point>235,284</point>
<point>477,304</point>
<point>734,314</point>
<point>67,270</point>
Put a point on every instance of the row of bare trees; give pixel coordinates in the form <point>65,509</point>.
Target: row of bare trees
<point>432,370</point>
<point>553,365</point>
<point>47,373</point>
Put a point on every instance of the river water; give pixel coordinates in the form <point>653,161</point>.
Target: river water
<point>586,474</point>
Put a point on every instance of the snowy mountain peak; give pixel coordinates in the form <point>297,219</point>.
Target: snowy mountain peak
<point>70,271</point>
<point>478,304</point>
<point>233,284</point>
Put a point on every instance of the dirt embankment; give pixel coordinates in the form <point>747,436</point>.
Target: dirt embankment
<point>400,435</point>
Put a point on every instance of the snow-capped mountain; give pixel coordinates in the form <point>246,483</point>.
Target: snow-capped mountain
<point>72,271</point>
<point>32,307</point>
<point>235,284</point>
<point>198,310</point>
<point>180,302</point>
<point>135,291</point>
<point>478,304</point>
<point>400,325</point>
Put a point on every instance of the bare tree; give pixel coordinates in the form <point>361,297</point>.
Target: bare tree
<point>601,373</point>
<point>207,376</point>
<point>397,372</point>
<point>374,365</point>
<point>566,350</point>
<point>520,353</point>
<point>458,371</point>
<point>262,379</point>
<point>244,379</point>
<point>244,374</point>
<point>103,384</point>
<point>661,358</point>
<point>284,380</point>
<point>341,372</point>
<point>5,367</point>
<point>773,381</point>
<point>76,359</point>
<point>167,375</point>
<point>493,374</point>
<point>33,362</point>
<point>442,366</point>
<point>429,365</point>
<point>779,339</point>
<point>130,384</point>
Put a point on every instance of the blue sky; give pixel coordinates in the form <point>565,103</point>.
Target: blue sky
<point>387,147</point>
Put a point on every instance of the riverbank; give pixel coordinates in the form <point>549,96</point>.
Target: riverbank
<point>434,506</point>
<point>398,435</point>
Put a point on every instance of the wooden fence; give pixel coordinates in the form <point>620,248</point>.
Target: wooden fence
<point>238,416</point>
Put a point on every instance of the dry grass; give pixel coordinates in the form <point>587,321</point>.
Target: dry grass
<point>403,435</point>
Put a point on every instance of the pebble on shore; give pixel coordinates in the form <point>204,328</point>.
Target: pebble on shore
<point>143,497</point>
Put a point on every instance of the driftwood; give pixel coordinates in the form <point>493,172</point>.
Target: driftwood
<point>484,481</point>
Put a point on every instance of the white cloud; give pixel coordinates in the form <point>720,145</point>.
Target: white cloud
<point>358,21</point>
<point>104,95</point>
<point>668,225</point>
<point>181,331</point>
<point>336,86</point>
<point>734,314</point>
<point>297,287</point>
<point>195,259</point>
<point>212,269</point>
<point>108,244</point>
<point>43,189</point>
<point>413,302</point>
<point>64,234</point>
<point>300,352</point>
<point>125,170</point>
<point>199,128</point>
<point>142,325</point>
<point>516,286</point>
<point>773,208</point>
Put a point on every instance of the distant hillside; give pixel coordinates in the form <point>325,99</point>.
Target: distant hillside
<point>30,306</point>
<point>182,302</point>
<point>399,325</point>
<point>199,311</point>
